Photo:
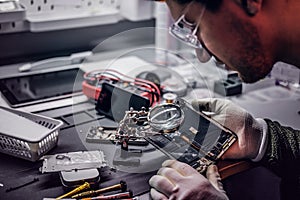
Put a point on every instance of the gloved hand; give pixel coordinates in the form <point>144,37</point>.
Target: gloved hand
<point>251,132</point>
<point>177,180</point>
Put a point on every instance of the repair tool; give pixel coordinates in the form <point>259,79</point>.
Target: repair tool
<point>123,195</point>
<point>23,185</point>
<point>86,185</point>
<point>93,84</point>
<point>121,186</point>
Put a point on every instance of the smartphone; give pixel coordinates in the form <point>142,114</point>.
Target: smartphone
<point>199,140</point>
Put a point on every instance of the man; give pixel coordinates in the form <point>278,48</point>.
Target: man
<point>249,36</point>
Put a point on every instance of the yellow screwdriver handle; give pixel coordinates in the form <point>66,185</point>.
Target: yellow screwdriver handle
<point>86,185</point>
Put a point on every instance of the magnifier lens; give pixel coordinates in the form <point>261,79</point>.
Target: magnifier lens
<point>166,117</point>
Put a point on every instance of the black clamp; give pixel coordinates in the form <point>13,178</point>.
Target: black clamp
<point>230,86</point>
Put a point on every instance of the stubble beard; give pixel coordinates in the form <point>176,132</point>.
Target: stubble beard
<point>252,63</point>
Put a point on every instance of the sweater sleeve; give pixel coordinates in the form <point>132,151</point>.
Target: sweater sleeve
<point>283,151</point>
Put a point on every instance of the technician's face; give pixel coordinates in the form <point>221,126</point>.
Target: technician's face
<point>230,35</point>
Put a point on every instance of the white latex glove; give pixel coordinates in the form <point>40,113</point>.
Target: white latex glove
<point>177,180</point>
<point>251,132</point>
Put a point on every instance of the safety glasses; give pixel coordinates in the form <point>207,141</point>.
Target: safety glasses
<point>187,33</point>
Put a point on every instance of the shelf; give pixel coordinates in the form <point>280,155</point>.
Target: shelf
<point>11,11</point>
<point>71,19</point>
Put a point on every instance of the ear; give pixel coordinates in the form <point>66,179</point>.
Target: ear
<point>252,6</point>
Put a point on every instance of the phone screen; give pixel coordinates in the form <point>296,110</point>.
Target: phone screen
<point>42,87</point>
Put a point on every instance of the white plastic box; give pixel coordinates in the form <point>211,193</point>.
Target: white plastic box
<point>136,10</point>
<point>25,135</point>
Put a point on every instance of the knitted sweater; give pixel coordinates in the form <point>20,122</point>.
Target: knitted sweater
<point>283,156</point>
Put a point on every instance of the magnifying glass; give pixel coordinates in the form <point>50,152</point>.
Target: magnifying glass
<point>165,117</point>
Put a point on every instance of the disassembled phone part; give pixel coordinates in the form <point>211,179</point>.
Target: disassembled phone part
<point>73,160</point>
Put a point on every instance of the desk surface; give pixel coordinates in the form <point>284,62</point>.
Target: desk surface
<point>15,171</point>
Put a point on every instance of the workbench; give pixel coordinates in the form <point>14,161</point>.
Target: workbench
<point>255,183</point>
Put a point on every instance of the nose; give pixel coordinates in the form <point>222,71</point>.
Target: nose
<point>203,55</point>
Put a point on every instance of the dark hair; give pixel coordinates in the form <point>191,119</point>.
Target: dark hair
<point>211,5</point>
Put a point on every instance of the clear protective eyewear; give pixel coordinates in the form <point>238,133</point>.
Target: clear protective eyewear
<point>187,33</point>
